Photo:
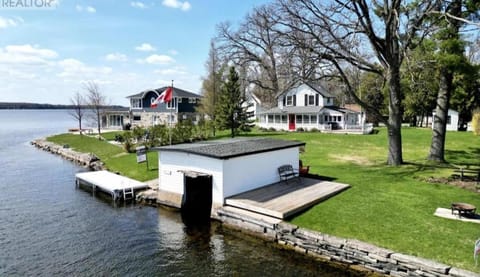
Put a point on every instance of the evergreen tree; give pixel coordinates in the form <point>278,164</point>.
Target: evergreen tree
<point>231,110</point>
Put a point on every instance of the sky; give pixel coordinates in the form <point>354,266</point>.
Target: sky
<point>49,49</point>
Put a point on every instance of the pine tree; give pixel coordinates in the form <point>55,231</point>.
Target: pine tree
<point>231,110</point>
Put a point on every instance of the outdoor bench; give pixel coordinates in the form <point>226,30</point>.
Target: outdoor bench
<point>286,172</point>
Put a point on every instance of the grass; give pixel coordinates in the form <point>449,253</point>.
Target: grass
<point>391,207</point>
<point>114,157</point>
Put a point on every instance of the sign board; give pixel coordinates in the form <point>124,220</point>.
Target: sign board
<point>141,154</point>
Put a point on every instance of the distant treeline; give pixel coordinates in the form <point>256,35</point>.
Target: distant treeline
<point>36,106</point>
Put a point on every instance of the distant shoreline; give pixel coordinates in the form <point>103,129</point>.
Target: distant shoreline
<point>38,106</point>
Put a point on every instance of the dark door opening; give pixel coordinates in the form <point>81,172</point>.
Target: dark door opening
<point>291,122</point>
<point>197,198</point>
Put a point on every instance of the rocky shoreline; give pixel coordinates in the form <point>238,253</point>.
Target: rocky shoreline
<point>87,160</point>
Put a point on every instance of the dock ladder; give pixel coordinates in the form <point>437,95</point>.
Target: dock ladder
<point>128,194</point>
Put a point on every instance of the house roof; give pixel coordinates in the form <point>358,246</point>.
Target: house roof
<point>226,149</point>
<point>177,92</point>
<point>317,87</point>
<point>306,110</point>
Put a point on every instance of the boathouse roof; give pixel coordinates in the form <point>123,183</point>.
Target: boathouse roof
<point>231,148</point>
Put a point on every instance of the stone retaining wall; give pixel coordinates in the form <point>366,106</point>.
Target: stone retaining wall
<point>347,251</point>
<point>84,159</point>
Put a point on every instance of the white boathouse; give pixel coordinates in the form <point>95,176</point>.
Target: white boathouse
<point>226,167</point>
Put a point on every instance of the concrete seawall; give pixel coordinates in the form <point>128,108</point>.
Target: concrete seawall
<point>87,160</point>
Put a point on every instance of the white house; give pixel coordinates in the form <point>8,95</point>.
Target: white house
<point>229,166</point>
<point>452,120</point>
<point>309,106</point>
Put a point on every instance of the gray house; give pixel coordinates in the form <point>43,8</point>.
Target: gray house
<point>140,113</point>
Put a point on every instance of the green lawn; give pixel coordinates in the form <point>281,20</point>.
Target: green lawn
<point>114,157</point>
<point>391,207</point>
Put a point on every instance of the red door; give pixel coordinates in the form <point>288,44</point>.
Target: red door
<point>291,122</point>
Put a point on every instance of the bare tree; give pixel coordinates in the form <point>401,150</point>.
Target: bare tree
<point>369,35</point>
<point>255,45</point>
<point>78,109</point>
<point>97,102</point>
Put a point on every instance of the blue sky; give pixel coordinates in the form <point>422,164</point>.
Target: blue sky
<point>46,55</point>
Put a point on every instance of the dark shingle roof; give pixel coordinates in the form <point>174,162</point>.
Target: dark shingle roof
<point>317,87</point>
<point>177,92</point>
<point>226,149</point>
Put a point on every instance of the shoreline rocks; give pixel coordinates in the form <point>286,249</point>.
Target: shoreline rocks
<point>87,160</point>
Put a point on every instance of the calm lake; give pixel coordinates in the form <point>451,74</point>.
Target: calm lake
<point>50,228</point>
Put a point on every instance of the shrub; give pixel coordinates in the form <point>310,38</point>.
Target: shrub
<point>300,129</point>
<point>271,129</point>
<point>128,144</point>
<point>314,130</point>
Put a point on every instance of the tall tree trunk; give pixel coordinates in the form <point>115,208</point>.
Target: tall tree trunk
<point>394,126</point>
<point>437,148</point>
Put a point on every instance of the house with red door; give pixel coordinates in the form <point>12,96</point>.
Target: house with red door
<point>310,106</point>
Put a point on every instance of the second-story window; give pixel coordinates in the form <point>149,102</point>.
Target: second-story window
<point>136,103</point>
<point>311,100</point>
<point>289,100</point>
<point>172,104</point>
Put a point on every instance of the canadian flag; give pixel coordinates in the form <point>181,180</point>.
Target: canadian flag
<point>164,97</point>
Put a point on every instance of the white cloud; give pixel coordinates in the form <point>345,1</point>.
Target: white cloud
<point>138,5</point>
<point>6,22</point>
<point>176,4</point>
<point>170,71</point>
<point>158,59</point>
<point>173,52</point>
<point>77,69</point>
<point>88,9</point>
<point>26,54</point>
<point>116,57</point>
<point>145,47</point>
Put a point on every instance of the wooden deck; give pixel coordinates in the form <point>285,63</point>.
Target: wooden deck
<point>284,199</point>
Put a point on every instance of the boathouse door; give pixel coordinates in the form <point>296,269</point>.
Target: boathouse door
<point>197,197</point>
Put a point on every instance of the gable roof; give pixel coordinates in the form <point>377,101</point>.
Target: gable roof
<point>177,92</point>
<point>317,87</point>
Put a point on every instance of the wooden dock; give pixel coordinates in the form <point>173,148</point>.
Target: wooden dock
<point>284,199</point>
<point>119,187</point>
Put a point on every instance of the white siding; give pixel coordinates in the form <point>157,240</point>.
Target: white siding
<point>229,177</point>
<point>169,164</point>
<point>253,171</point>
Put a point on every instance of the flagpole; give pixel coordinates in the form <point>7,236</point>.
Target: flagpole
<point>170,120</point>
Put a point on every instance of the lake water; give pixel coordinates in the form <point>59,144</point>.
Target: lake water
<point>50,228</point>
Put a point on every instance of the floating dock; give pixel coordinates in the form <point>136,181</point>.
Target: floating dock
<point>119,187</point>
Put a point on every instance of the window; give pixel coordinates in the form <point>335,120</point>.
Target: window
<point>136,103</point>
<point>172,104</point>
<point>277,118</point>
<point>449,120</point>
<point>326,118</point>
<point>339,118</point>
<point>299,118</point>
<point>270,118</point>
<point>313,119</point>
<point>137,118</point>
<point>116,120</point>
<point>311,100</point>
<point>306,119</point>
<point>284,118</point>
<point>192,100</point>
<point>289,100</point>
<point>180,100</point>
